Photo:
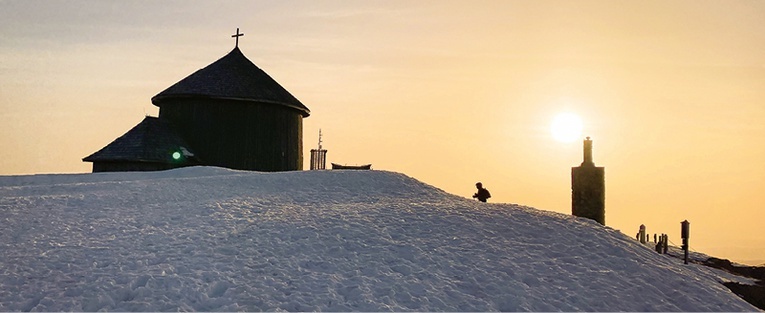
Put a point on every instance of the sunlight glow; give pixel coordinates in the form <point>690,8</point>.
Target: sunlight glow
<point>566,127</point>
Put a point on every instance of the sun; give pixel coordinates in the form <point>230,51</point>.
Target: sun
<point>566,127</point>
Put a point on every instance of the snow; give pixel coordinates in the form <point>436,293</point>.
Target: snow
<point>212,239</point>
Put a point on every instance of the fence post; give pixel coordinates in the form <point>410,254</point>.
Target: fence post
<point>685,232</point>
<point>659,245</point>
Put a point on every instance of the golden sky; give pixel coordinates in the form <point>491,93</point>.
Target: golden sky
<point>672,93</point>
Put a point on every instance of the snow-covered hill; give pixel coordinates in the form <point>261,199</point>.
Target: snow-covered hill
<point>211,239</point>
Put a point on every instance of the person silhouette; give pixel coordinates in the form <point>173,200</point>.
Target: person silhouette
<point>482,193</point>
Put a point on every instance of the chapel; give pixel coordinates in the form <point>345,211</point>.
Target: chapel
<point>229,114</point>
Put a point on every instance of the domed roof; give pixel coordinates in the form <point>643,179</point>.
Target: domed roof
<point>232,77</point>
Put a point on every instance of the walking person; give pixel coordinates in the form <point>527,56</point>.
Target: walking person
<point>482,193</point>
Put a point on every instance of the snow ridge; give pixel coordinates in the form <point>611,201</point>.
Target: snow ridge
<point>211,239</point>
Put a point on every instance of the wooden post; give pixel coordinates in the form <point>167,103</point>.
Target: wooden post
<point>657,247</point>
<point>685,232</point>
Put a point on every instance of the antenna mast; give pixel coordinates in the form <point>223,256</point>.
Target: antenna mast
<point>319,138</point>
<point>318,157</point>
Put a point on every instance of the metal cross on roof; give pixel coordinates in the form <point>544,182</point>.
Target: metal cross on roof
<point>237,35</point>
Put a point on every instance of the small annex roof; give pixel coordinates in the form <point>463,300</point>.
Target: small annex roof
<point>232,77</point>
<point>152,140</point>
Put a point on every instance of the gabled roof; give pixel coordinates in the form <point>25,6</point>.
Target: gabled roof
<point>152,140</point>
<point>232,77</point>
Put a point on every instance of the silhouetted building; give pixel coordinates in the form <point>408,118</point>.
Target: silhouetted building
<point>152,145</point>
<point>230,114</point>
<point>588,188</point>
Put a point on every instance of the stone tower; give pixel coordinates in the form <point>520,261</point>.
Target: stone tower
<point>588,188</point>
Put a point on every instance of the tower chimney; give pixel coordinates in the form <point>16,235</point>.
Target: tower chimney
<point>588,188</point>
<point>588,153</point>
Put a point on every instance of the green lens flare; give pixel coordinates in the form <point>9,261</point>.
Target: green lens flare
<point>176,155</point>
